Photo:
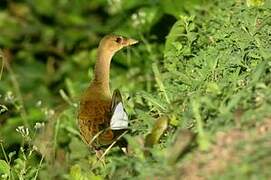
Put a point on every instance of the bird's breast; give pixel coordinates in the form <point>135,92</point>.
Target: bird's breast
<point>94,117</point>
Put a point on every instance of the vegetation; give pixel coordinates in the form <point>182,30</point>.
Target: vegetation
<point>196,88</point>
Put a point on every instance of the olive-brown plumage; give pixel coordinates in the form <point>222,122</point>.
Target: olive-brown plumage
<point>97,105</point>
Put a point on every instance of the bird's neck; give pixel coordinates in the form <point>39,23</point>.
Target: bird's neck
<point>101,72</point>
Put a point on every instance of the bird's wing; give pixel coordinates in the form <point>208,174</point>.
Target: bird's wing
<point>119,118</point>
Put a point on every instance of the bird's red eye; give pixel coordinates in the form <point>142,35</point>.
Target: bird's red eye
<point>119,40</point>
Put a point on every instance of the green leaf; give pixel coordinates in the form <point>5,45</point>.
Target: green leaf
<point>176,7</point>
<point>77,174</point>
<point>4,167</point>
<point>255,2</point>
<point>176,31</point>
<point>160,126</point>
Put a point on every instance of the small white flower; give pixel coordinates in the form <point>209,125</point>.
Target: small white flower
<point>75,105</point>
<point>26,131</point>
<point>48,112</point>
<point>39,125</point>
<point>134,17</point>
<point>114,6</point>
<point>3,108</point>
<point>38,104</point>
<point>9,96</point>
<point>19,129</point>
<point>21,149</point>
<point>35,148</point>
<point>51,112</point>
<point>138,18</point>
<point>23,131</point>
<point>142,14</point>
<point>4,176</point>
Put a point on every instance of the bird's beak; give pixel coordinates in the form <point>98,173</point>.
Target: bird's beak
<point>129,42</point>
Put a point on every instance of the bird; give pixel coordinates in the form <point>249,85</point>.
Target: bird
<point>102,117</point>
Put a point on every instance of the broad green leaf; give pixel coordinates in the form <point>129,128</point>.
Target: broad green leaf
<point>176,31</point>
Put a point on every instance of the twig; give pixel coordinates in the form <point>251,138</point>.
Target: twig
<point>108,149</point>
<point>37,172</point>
<point>159,81</point>
<point>3,150</point>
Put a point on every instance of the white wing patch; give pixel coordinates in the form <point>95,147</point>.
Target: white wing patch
<point>119,119</point>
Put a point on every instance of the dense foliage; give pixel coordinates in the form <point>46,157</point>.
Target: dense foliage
<point>200,78</point>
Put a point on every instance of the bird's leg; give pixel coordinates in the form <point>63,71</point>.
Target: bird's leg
<point>99,153</point>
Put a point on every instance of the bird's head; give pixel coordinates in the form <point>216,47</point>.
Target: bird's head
<point>114,43</point>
